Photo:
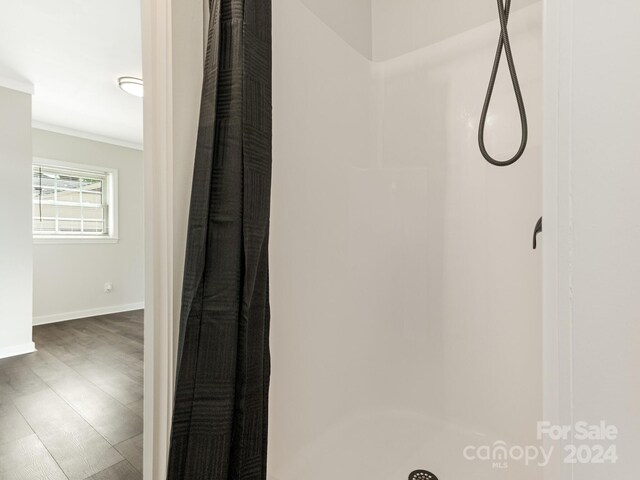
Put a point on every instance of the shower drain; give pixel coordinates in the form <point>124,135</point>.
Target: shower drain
<point>422,475</point>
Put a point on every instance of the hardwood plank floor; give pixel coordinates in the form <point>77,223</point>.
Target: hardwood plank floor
<point>73,409</point>
<point>28,458</point>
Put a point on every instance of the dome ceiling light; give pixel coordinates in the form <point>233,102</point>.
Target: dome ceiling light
<point>132,85</point>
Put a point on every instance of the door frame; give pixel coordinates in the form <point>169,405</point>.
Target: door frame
<point>172,70</point>
<point>159,226</point>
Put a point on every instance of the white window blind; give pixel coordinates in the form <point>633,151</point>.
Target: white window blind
<point>70,202</point>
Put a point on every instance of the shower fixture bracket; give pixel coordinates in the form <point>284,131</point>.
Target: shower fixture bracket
<point>536,231</point>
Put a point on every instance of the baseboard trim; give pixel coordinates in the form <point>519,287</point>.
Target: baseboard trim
<point>16,350</point>
<point>63,317</point>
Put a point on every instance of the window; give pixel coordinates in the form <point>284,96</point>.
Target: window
<point>73,202</point>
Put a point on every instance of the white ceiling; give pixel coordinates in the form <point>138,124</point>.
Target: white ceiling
<point>73,52</point>
<point>402,26</point>
<point>384,29</point>
<point>350,19</point>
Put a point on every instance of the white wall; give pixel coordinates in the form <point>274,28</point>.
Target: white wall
<point>15,218</point>
<point>406,298</point>
<point>593,166</point>
<point>323,118</point>
<point>68,279</point>
<point>456,234</point>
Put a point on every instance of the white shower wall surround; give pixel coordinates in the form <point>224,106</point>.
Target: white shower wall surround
<point>405,295</point>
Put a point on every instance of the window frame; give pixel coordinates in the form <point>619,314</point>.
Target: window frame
<point>111,194</point>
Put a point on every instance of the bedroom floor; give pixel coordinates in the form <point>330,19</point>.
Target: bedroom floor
<point>73,410</point>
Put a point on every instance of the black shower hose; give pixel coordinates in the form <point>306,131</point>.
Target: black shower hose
<point>503,11</point>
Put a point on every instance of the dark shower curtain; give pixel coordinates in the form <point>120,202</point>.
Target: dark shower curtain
<point>219,426</point>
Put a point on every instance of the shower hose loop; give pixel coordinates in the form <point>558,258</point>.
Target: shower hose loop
<point>503,43</point>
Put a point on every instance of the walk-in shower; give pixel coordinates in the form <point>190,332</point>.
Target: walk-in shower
<point>406,299</point>
<point>415,334</point>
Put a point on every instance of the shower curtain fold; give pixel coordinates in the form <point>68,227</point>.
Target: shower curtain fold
<point>219,428</point>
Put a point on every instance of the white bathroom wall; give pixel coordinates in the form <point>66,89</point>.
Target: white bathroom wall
<point>15,219</point>
<point>470,285</point>
<point>68,279</point>
<point>406,298</point>
<point>323,118</point>
<point>479,274</point>
<point>593,168</point>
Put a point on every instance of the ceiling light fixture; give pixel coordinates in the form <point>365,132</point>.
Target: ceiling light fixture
<point>132,85</point>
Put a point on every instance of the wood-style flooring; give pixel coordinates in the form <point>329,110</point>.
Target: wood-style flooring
<point>73,409</point>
